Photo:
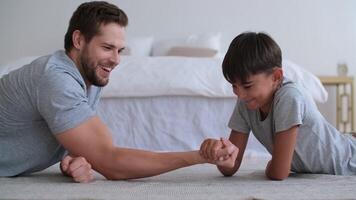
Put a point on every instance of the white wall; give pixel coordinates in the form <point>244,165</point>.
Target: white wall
<point>316,34</point>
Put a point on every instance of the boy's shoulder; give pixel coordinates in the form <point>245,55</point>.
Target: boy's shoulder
<point>291,90</point>
<point>289,87</point>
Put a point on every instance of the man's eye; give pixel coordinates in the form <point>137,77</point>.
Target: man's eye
<point>107,48</point>
<point>247,86</point>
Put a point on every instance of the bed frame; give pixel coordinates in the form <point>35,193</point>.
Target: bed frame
<point>345,108</point>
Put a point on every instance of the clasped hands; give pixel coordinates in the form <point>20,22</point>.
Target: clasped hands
<point>219,152</point>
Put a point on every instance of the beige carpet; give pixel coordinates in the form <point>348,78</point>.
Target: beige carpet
<point>197,182</point>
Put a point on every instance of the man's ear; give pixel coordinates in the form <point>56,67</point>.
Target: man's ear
<point>278,74</point>
<point>78,39</point>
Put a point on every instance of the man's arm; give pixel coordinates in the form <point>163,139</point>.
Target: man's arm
<point>93,141</point>
<point>278,168</point>
<point>240,141</point>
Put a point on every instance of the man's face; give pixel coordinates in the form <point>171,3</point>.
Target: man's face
<point>258,91</point>
<point>102,54</point>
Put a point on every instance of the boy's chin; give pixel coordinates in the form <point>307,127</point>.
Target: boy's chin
<point>252,107</point>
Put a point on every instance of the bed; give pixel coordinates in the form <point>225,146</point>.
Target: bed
<point>173,103</point>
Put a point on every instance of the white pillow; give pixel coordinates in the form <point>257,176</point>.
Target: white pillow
<point>209,41</point>
<point>191,52</point>
<point>138,46</point>
<point>306,79</point>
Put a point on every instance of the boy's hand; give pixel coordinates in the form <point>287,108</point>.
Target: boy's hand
<point>227,155</point>
<point>78,168</point>
<point>220,152</point>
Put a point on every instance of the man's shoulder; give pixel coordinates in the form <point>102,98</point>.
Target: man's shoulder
<point>61,68</point>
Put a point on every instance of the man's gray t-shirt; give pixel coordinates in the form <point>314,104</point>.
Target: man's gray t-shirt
<point>37,101</point>
<point>320,148</point>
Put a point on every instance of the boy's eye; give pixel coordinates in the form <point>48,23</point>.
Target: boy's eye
<point>247,86</point>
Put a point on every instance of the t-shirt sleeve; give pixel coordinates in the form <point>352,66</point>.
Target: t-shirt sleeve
<point>62,102</point>
<point>238,121</point>
<point>289,110</point>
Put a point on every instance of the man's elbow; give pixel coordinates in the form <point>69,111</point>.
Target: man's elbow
<point>115,174</point>
<point>114,171</point>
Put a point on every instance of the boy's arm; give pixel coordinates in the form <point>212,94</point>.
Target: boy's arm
<point>240,141</point>
<point>278,168</point>
<point>92,140</point>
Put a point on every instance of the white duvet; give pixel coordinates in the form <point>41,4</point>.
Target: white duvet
<point>184,76</point>
<point>166,76</point>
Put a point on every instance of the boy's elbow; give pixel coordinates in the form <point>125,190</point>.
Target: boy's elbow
<point>277,176</point>
<point>227,172</point>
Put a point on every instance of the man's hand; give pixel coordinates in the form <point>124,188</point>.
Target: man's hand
<point>78,168</point>
<point>209,148</point>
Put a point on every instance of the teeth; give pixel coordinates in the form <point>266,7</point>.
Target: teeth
<point>107,68</point>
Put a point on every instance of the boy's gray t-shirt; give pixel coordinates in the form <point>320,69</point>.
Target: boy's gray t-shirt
<point>37,101</point>
<point>320,148</point>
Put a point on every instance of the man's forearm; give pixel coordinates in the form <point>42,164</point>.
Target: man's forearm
<point>131,163</point>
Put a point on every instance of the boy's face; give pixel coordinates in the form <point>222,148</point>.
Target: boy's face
<point>258,90</point>
<point>102,54</point>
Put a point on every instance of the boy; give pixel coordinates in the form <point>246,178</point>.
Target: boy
<point>281,116</point>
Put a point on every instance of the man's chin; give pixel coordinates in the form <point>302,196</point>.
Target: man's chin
<point>101,83</point>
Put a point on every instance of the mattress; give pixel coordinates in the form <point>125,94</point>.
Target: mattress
<point>170,123</point>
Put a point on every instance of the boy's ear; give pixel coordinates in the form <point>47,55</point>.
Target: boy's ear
<point>278,74</point>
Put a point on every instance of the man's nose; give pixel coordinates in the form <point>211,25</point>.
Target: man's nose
<point>115,58</point>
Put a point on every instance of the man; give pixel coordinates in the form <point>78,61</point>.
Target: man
<point>47,108</point>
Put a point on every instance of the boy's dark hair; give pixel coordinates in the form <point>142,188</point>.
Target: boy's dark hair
<point>250,53</point>
<point>89,17</point>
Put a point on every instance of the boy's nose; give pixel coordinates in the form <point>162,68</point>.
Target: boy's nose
<point>241,93</point>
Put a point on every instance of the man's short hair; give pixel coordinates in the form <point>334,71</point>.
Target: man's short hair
<point>251,53</point>
<point>89,17</point>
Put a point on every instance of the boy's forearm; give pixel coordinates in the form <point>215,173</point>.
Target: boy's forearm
<point>273,173</point>
<point>229,171</point>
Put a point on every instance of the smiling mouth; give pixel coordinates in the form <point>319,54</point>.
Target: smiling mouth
<point>107,69</point>
<point>248,101</point>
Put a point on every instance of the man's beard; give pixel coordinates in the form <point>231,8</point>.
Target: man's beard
<point>90,73</point>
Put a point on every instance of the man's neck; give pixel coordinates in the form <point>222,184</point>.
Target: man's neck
<point>74,56</point>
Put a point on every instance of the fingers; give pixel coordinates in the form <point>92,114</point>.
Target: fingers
<point>227,155</point>
<point>209,149</point>
<point>228,160</point>
<point>83,175</point>
<point>228,148</point>
<point>80,170</point>
<point>65,162</point>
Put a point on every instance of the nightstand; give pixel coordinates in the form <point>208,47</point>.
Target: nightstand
<point>345,121</point>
